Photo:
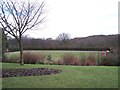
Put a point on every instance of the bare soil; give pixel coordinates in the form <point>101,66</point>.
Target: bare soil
<point>28,72</point>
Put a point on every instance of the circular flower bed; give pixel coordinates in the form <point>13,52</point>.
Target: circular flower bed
<point>28,72</point>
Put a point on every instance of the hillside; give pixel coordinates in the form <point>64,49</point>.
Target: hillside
<point>86,43</point>
<point>97,41</point>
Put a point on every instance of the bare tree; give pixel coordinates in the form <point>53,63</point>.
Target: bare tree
<point>16,18</point>
<point>63,38</point>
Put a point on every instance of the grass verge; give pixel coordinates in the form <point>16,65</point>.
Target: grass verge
<point>70,77</point>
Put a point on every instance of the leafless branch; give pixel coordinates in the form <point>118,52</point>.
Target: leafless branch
<point>24,17</point>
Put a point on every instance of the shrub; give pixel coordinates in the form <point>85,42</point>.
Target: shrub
<point>49,58</point>
<point>28,57</point>
<point>90,60</point>
<point>59,62</point>
<point>98,57</point>
<point>82,59</point>
<point>11,60</point>
<point>41,59</point>
<point>110,60</point>
<point>70,59</point>
<point>33,58</point>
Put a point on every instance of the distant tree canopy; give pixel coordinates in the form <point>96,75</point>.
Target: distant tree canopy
<point>63,38</point>
<point>98,42</point>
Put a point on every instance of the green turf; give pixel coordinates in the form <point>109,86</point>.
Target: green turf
<point>70,77</point>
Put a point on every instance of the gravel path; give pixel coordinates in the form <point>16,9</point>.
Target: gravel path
<point>28,72</point>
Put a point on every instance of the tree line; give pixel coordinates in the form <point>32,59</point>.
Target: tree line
<point>94,43</point>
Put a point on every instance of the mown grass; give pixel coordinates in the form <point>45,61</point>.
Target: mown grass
<point>70,77</point>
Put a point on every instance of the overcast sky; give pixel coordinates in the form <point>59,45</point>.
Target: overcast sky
<point>80,18</point>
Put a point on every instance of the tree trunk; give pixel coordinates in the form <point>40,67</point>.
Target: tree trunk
<point>21,52</point>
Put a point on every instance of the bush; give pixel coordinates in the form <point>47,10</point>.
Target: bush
<point>32,58</point>
<point>49,60</point>
<point>90,60</point>
<point>59,62</point>
<point>82,59</point>
<point>110,60</point>
<point>70,59</point>
<point>11,60</point>
<point>28,57</point>
<point>41,59</point>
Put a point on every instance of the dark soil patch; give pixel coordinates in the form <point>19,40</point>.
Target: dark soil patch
<point>28,72</point>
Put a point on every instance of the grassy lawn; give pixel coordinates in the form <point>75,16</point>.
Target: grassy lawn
<point>70,77</point>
